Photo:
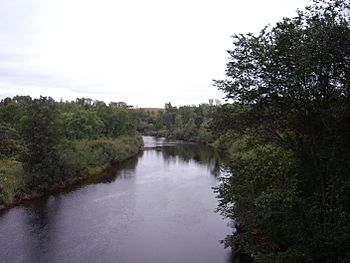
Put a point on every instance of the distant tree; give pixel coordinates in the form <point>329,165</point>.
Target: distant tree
<point>11,112</point>
<point>86,103</point>
<point>118,105</point>
<point>22,101</point>
<point>169,116</point>
<point>199,116</point>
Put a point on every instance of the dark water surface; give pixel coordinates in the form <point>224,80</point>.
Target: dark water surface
<point>158,208</point>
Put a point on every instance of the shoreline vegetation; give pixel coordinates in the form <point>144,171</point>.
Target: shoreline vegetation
<point>189,123</point>
<point>207,124</point>
<point>45,145</point>
<point>131,147</point>
<point>125,148</point>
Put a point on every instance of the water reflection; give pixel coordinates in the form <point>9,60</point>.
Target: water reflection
<point>156,208</point>
<point>186,152</point>
<point>120,171</point>
<point>194,153</point>
<point>151,142</point>
<point>40,231</point>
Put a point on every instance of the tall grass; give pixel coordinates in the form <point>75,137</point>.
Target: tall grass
<point>12,181</point>
<point>76,159</point>
<point>81,157</point>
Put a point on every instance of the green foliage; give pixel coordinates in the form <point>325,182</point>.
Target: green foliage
<point>92,156</point>
<point>10,113</point>
<point>119,120</point>
<point>40,133</point>
<point>10,144</point>
<point>262,198</point>
<point>86,118</point>
<point>12,181</point>
<point>189,123</point>
<point>81,124</point>
<point>169,116</point>
<point>60,142</point>
<point>290,87</point>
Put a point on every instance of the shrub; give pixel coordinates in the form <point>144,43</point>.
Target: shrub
<point>12,180</point>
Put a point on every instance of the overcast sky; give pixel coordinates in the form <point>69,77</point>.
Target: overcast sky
<point>143,52</point>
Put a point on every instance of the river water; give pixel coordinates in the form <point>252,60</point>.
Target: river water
<point>157,208</point>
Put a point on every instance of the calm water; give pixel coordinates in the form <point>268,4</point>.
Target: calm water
<point>158,208</point>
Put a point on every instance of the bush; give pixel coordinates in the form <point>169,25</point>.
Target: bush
<point>261,196</point>
<point>12,180</point>
<point>92,156</point>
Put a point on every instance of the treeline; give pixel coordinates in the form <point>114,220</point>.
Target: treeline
<point>288,132</point>
<point>44,143</point>
<point>190,123</point>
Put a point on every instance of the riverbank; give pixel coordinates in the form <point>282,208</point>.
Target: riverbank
<point>225,146</point>
<point>172,136</point>
<point>78,161</point>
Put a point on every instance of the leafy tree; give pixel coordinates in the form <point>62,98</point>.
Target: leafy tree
<point>41,136</point>
<point>81,124</point>
<point>293,82</point>
<point>119,120</point>
<point>169,116</point>
<point>10,144</point>
<point>12,110</point>
<point>186,122</point>
<point>264,190</point>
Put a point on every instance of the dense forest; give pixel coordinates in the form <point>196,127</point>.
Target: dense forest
<point>46,144</point>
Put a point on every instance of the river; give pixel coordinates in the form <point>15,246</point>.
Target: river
<point>157,208</point>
